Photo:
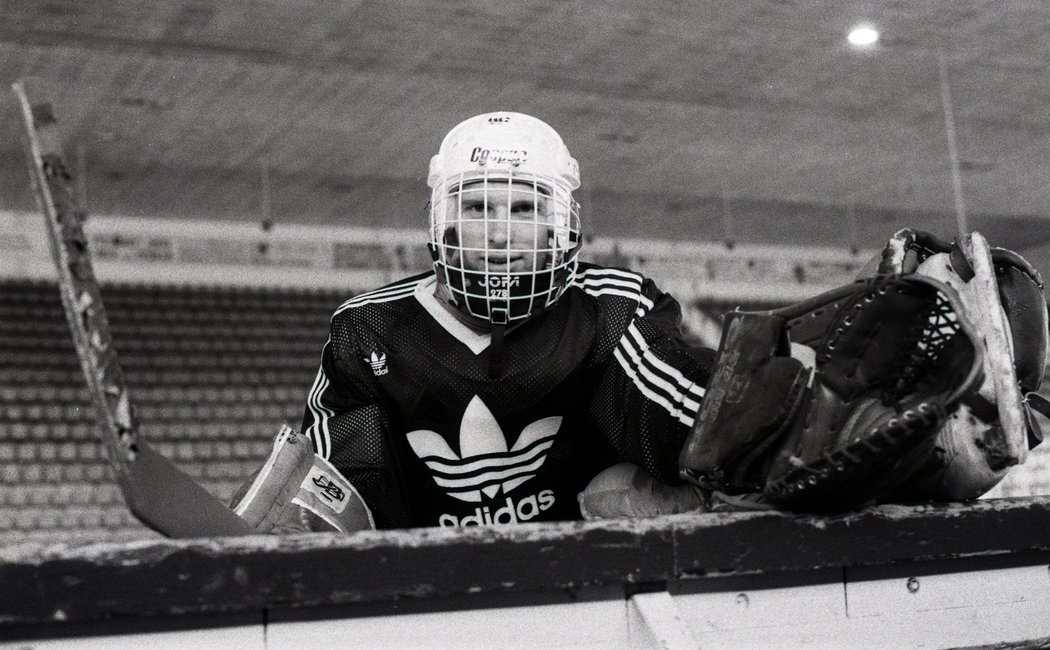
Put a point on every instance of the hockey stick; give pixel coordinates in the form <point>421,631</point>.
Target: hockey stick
<point>158,493</point>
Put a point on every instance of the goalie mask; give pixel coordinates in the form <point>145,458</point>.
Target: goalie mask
<point>504,228</point>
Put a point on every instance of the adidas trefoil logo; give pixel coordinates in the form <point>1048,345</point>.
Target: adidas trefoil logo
<point>487,465</point>
<point>378,363</point>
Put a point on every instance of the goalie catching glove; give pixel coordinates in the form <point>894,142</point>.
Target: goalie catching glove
<point>915,385</point>
<point>834,402</point>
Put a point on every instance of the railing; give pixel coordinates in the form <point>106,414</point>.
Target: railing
<point>936,576</point>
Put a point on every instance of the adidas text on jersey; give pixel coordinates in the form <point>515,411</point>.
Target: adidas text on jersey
<point>512,512</point>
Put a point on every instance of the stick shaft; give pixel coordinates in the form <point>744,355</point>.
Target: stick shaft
<point>81,298</point>
<point>158,493</point>
<point>953,152</point>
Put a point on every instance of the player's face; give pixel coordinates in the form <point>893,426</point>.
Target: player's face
<point>502,226</point>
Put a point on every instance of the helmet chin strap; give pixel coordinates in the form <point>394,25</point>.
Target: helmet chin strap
<point>499,329</point>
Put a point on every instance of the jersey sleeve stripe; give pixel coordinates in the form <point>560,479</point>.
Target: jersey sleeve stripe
<point>656,379</point>
<point>318,429</point>
<point>634,294</point>
<point>685,418</point>
<point>591,286</point>
<point>612,292</point>
<point>394,286</point>
<point>626,285</point>
<point>607,272</point>
<point>599,282</point>
<point>386,295</point>
<point>674,374</point>
<point>644,373</point>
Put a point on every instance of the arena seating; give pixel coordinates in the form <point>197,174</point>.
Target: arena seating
<point>213,373</point>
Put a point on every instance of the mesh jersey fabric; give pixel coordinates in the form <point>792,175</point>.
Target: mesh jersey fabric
<point>412,417</point>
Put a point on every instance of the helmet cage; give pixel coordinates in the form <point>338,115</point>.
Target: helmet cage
<point>540,228</point>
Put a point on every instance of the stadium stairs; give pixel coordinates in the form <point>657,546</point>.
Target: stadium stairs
<point>213,373</point>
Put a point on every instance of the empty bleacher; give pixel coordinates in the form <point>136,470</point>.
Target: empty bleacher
<point>213,372</point>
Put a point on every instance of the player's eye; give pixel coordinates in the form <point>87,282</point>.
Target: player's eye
<point>472,207</point>
<point>522,207</point>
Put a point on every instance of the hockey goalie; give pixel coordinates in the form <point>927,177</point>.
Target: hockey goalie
<point>516,384</point>
<point>915,384</point>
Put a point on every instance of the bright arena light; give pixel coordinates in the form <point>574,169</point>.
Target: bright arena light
<point>863,36</point>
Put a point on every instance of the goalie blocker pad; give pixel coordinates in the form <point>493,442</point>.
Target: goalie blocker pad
<point>834,402</point>
<point>1002,295</point>
<point>1001,292</point>
<point>296,491</point>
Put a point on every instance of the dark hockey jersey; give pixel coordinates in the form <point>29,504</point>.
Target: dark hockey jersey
<point>405,405</point>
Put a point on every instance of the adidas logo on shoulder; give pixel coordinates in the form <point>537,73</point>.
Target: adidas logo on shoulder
<point>378,363</point>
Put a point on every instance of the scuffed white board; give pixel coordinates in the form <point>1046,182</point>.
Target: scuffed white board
<point>600,624</point>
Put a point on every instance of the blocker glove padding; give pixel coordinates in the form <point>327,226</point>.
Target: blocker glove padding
<point>1002,295</point>
<point>834,402</point>
<point>296,491</point>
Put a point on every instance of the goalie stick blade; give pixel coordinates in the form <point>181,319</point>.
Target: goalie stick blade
<point>180,508</point>
<point>173,504</point>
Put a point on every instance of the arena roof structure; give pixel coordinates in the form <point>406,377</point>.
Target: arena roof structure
<point>755,121</point>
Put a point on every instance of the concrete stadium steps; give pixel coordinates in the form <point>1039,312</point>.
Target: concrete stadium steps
<point>201,307</point>
<point>174,341</point>
<point>213,373</point>
<point>70,373</point>
<point>47,393</point>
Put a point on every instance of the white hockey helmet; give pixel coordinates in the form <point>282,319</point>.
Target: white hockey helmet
<point>495,159</point>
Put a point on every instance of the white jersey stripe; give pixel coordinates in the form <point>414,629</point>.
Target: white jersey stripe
<point>684,418</point>
<point>629,275</point>
<point>654,377</point>
<point>390,298</point>
<point>396,287</point>
<point>376,297</point>
<point>318,430</point>
<point>675,374</point>
<point>314,430</point>
<point>617,288</point>
<point>673,393</point>
<point>365,297</point>
<point>611,281</point>
<point>611,292</point>
<point>594,287</point>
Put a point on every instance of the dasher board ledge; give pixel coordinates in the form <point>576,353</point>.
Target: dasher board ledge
<point>67,581</point>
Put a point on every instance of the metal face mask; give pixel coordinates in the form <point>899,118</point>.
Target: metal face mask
<point>504,228</point>
<point>505,247</point>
